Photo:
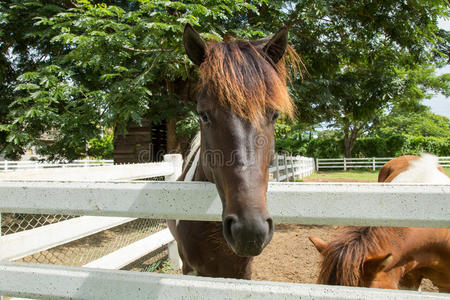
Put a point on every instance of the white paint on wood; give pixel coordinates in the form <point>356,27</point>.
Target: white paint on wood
<point>175,260</point>
<point>128,254</point>
<point>46,281</point>
<point>177,166</point>
<point>103,173</point>
<point>421,205</point>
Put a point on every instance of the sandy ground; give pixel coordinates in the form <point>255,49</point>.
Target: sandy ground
<point>290,256</point>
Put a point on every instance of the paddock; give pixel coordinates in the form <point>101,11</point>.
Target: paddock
<point>289,203</point>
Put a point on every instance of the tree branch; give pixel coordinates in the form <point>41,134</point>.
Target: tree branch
<point>147,50</point>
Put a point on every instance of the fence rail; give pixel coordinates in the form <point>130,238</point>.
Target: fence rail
<point>302,203</point>
<point>381,204</point>
<point>305,203</point>
<point>9,165</point>
<point>290,168</point>
<point>45,282</point>
<point>369,163</point>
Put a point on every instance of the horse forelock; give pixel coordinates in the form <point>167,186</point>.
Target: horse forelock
<point>240,77</point>
<point>343,260</point>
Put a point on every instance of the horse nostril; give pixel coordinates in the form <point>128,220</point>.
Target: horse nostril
<point>270,232</point>
<point>227,225</point>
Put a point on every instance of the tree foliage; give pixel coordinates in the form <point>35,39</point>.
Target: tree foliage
<point>73,67</point>
<point>361,56</point>
<point>418,122</point>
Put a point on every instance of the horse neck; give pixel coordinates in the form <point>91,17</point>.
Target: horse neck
<point>423,247</point>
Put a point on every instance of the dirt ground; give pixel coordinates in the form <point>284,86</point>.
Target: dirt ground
<point>290,256</point>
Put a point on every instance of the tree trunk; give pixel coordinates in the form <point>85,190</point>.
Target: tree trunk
<point>172,143</point>
<point>350,135</point>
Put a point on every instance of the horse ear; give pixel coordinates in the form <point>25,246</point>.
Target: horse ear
<point>378,263</point>
<point>320,244</point>
<point>276,46</point>
<point>194,45</point>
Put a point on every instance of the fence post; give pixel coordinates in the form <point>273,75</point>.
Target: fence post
<point>175,261</point>
<point>373,163</point>
<point>277,171</point>
<point>85,163</point>
<point>317,164</point>
<point>286,170</point>
<point>293,169</point>
<point>172,247</point>
<point>299,173</point>
<point>6,165</point>
<point>345,164</point>
<point>177,162</point>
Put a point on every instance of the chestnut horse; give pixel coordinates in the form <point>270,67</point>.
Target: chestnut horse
<point>391,257</point>
<point>242,90</point>
<point>411,168</point>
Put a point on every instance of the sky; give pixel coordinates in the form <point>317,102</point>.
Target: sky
<point>440,104</point>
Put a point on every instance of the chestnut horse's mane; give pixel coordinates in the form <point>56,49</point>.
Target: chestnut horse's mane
<point>343,259</point>
<point>245,80</point>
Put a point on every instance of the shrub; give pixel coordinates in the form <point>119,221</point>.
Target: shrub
<point>392,146</point>
<point>102,148</point>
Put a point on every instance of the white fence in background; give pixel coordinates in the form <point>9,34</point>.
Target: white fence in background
<point>290,168</point>
<point>302,203</point>
<point>10,165</point>
<point>368,163</point>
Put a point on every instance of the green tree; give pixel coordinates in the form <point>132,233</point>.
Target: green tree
<point>74,67</point>
<point>361,57</point>
<point>109,64</point>
<point>418,122</point>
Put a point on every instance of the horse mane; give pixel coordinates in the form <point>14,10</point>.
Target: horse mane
<point>243,78</point>
<point>343,259</point>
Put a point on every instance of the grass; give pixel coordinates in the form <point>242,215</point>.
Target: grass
<point>161,266</point>
<point>447,170</point>
<point>355,174</point>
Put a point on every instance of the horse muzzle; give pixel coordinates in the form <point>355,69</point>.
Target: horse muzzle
<point>247,236</point>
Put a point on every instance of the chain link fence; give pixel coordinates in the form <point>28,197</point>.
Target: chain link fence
<point>91,247</point>
<point>13,223</point>
<point>84,250</point>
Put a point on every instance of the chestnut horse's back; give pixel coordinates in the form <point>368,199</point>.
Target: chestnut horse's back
<point>394,167</point>
<point>411,168</point>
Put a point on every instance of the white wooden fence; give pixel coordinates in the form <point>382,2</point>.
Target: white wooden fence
<point>28,242</point>
<point>290,168</point>
<point>9,165</point>
<point>302,203</point>
<point>21,244</point>
<point>368,163</point>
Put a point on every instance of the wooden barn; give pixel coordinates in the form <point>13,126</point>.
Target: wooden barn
<point>145,143</point>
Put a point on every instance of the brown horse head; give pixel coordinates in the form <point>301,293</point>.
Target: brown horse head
<point>242,90</point>
<point>358,258</point>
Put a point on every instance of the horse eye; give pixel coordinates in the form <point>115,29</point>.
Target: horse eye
<point>203,117</point>
<point>275,116</point>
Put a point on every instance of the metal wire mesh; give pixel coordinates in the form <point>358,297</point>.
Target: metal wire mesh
<point>13,223</point>
<point>90,248</point>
